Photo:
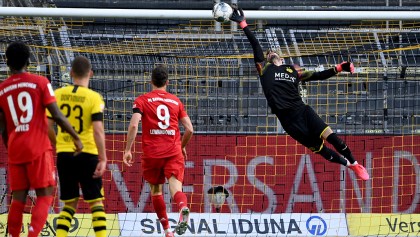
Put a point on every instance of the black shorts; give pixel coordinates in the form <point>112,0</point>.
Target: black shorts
<point>78,170</point>
<point>304,125</point>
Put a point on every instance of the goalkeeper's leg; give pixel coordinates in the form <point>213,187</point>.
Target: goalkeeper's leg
<point>332,156</point>
<point>341,147</point>
<point>344,150</point>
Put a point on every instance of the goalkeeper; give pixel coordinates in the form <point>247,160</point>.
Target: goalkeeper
<point>280,83</point>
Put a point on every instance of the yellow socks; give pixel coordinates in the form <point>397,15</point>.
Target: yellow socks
<point>99,220</point>
<point>64,221</point>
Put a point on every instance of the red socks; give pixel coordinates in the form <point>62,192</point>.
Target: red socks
<point>160,209</point>
<point>180,199</point>
<point>15,217</point>
<point>40,214</point>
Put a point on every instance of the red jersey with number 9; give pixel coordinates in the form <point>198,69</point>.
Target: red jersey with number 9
<point>23,100</point>
<point>160,112</point>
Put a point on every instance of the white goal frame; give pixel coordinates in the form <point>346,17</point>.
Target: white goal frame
<point>206,14</point>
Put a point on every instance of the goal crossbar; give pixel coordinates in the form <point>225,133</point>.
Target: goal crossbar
<point>207,14</point>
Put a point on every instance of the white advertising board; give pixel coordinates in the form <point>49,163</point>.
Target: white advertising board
<point>226,224</point>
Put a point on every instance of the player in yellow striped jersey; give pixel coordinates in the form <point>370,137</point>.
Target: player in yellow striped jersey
<point>84,109</point>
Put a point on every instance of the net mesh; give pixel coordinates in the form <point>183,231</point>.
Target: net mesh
<point>238,143</point>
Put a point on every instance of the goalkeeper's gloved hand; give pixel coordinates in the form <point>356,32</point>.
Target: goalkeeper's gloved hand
<point>345,66</point>
<point>238,16</point>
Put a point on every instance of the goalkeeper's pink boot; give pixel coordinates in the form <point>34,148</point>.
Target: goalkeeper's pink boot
<point>184,215</point>
<point>360,171</point>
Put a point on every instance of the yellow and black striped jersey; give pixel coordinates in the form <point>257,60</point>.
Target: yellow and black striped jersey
<point>81,106</point>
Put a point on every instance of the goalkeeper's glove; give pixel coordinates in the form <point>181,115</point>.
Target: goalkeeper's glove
<point>345,66</point>
<point>238,16</point>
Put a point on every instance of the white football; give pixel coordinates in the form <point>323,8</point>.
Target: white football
<point>222,11</point>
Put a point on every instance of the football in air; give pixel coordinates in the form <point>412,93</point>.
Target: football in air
<point>222,11</point>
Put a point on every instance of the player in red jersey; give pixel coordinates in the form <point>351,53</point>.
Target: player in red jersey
<point>24,98</point>
<point>163,150</point>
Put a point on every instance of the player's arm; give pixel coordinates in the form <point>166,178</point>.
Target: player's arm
<point>51,131</point>
<point>133,127</point>
<point>99,136</point>
<point>239,17</point>
<point>189,130</point>
<point>62,121</point>
<point>3,129</point>
<point>316,76</point>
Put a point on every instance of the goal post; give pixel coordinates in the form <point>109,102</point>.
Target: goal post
<point>270,184</point>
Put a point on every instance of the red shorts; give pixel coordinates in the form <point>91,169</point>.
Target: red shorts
<point>39,173</point>
<point>155,170</point>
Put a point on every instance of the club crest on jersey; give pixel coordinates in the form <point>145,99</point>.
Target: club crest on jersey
<point>289,70</point>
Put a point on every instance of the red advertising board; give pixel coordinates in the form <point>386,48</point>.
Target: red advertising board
<point>274,174</point>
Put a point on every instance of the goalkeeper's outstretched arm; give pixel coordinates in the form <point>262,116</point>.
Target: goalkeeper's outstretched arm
<point>239,17</point>
<point>315,76</point>
<point>256,47</point>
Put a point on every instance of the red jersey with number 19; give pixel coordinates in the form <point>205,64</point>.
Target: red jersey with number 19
<point>23,100</point>
<point>160,112</point>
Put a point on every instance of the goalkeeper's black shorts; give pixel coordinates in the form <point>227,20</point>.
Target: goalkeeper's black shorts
<point>304,125</point>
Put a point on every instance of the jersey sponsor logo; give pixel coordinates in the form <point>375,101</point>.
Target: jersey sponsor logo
<point>282,76</point>
<point>170,132</point>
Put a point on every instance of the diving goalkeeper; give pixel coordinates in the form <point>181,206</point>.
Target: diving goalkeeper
<point>280,83</point>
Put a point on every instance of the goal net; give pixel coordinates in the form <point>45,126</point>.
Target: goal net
<point>275,186</point>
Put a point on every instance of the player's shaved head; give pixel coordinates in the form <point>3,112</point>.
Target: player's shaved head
<point>17,54</point>
<point>159,75</point>
<point>81,67</point>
